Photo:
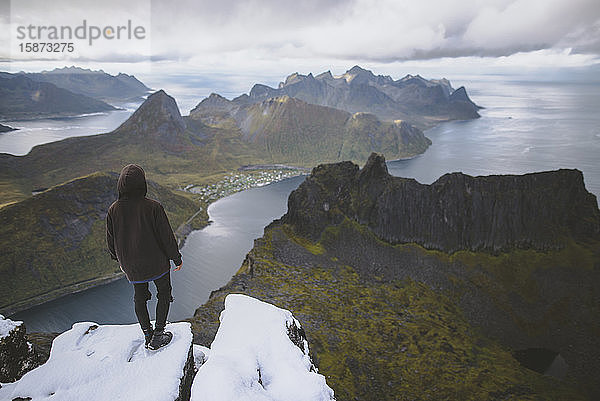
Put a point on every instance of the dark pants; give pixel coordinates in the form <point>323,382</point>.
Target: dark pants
<point>141,297</point>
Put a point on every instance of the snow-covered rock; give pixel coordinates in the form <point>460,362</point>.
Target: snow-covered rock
<point>92,362</point>
<point>17,356</point>
<point>253,357</point>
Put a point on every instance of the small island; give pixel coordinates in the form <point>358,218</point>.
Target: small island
<point>6,128</point>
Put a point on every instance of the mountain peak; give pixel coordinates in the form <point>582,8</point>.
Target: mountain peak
<point>325,75</point>
<point>357,70</point>
<point>158,116</point>
<point>375,167</point>
<point>358,74</point>
<point>295,78</point>
<point>163,100</point>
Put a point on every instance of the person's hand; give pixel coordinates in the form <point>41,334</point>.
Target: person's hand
<point>177,268</point>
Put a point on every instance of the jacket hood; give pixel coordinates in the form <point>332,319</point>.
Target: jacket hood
<point>132,182</point>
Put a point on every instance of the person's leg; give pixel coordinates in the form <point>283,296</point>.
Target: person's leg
<point>140,299</point>
<point>163,288</point>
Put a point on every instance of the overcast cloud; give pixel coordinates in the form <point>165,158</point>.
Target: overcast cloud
<point>228,35</point>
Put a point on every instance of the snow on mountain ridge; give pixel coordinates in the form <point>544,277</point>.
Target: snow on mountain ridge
<point>260,353</point>
<point>253,358</point>
<point>97,363</point>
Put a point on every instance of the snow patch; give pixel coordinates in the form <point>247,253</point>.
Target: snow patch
<point>7,325</point>
<point>253,359</point>
<point>92,362</point>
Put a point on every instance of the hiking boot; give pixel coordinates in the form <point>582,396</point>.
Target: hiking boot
<point>148,336</point>
<point>160,339</point>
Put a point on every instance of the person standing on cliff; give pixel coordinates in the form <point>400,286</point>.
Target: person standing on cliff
<point>141,239</point>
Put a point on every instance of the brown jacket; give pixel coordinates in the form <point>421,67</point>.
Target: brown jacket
<point>138,232</point>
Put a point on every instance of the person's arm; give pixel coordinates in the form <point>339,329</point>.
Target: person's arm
<point>110,238</point>
<point>166,238</point>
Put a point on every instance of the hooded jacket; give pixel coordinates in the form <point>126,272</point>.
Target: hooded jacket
<point>138,232</point>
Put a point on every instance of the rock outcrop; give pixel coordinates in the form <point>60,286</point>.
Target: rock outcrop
<point>6,128</point>
<point>394,310</point>
<point>540,211</point>
<point>157,122</point>
<point>17,355</point>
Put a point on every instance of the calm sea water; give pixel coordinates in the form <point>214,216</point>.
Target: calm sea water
<point>526,126</point>
<point>37,132</point>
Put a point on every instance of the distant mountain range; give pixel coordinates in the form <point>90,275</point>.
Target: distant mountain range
<point>65,92</point>
<point>96,84</point>
<point>24,98</point>
<point>420,102</point>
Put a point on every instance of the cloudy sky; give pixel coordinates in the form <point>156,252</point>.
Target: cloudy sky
<point>271,38</point>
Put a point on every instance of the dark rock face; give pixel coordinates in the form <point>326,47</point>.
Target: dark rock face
<point>189,371</point>
<point>342,219</point>
<point>456,212</point>
<point>17,356</point>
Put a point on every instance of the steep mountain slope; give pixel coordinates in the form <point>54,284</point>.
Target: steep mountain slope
<point>96,84</point>
<point>56,239</point>
<point>291,130</point>
<point>392,319</point>
<point>24,98</point>
<point>420,102</point>
<point>457,211</point>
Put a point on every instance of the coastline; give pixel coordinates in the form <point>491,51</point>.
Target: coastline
<point>51,116</point>
<point>20,306</point>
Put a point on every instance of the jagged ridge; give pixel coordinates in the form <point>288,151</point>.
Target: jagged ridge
<point>456,212</point>
<point>419,101</point>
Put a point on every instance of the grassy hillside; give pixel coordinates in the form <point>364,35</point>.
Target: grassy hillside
<point>56,239</point>
<point>392,315</point>
<point>377,337</point>
<point>289,130</point>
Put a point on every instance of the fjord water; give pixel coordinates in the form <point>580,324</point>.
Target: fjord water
<point>526,126</point>
<point>37,132</point>
<point>210,256</point>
